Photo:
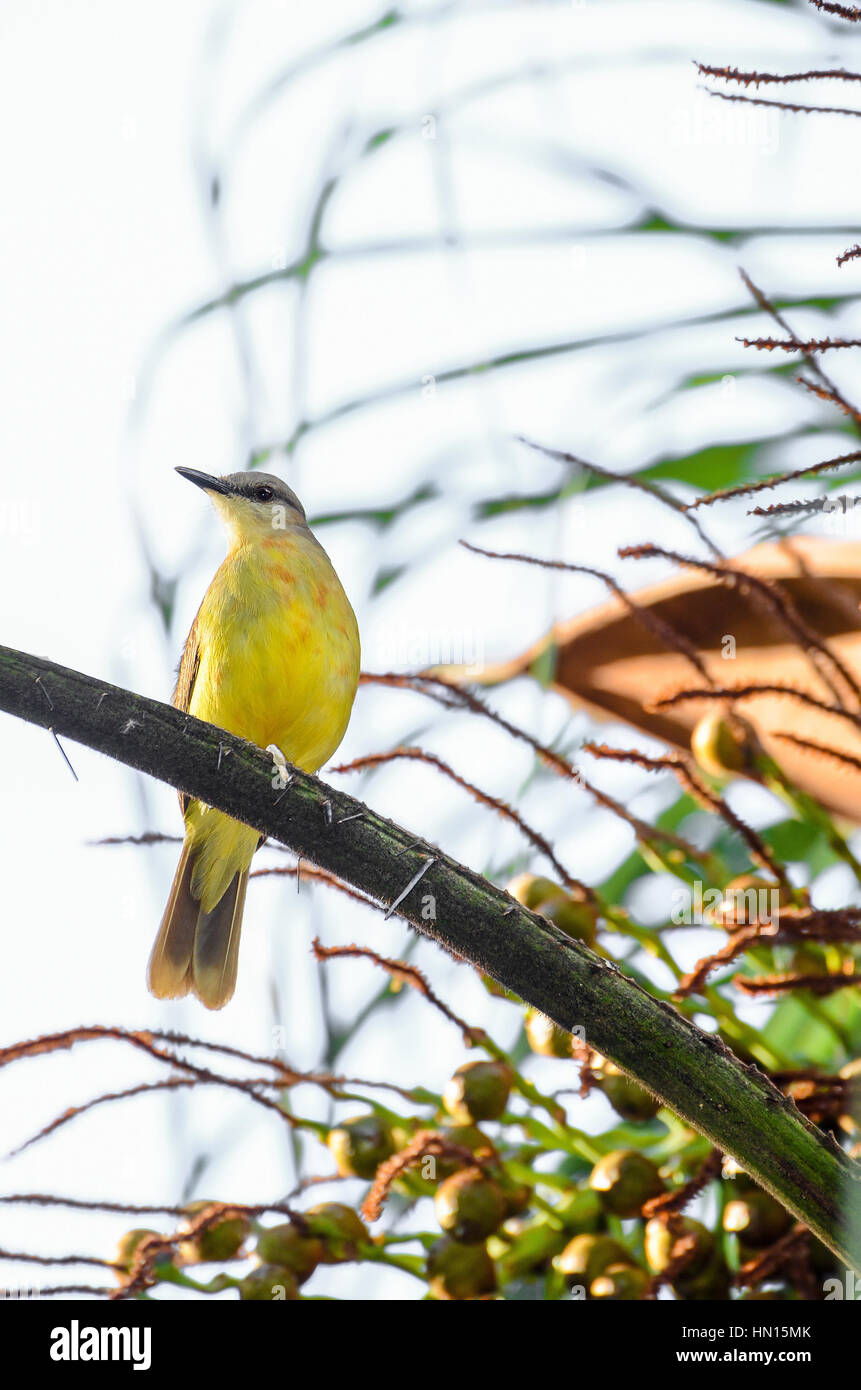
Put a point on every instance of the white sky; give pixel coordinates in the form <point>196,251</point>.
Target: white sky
<point>110,112</point>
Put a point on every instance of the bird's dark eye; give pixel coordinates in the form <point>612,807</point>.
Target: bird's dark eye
<point>264,493</point>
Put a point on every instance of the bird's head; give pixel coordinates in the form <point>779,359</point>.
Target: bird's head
<point>252,506</point>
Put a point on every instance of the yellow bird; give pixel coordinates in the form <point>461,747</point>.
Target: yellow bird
<point>273,656</point>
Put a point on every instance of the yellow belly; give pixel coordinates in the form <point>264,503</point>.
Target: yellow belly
<point>279,663</point>
<point>279,650</point>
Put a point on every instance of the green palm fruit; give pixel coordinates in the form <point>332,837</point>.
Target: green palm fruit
<point>460,1271</point>
<point>619,1283</point>
<point>756,1218</point>
<point>660,1239</point>
<point>469,1206</point>
<point>587,1256</point>
<point>286,1247</point>
<point>466,1137</point>
<point>128,1247</point>
<point>339,1228</point>
<point>627,1097</point>
<point>215,1243</point>
<point>269,1284</point>
<point>360,1145</point>
<point>581,1211</point>
<point>532,890</point>
<point>724,746</point>
<point>531,1249</point>
<point>544,1036</point>
<point>478,1091</point>
<point>574,915</point>
<point>624,1180</point>
<point>708,1285</point>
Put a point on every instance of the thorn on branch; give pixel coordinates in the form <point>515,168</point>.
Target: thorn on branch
<point>410,886</point>
<point>37,680</point>
<point>66,759</point>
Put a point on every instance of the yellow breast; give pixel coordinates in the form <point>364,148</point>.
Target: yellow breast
<point>279,649</point>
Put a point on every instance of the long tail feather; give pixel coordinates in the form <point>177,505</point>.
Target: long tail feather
<point>216,946</point>
<point>197,951</point>
<point>169,974</point>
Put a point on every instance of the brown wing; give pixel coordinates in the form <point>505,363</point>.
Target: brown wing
<point>186,675</point>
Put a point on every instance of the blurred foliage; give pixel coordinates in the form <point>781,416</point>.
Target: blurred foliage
<point>487,1189</point>
<point>496,1192</point>
<point>490,1192</point>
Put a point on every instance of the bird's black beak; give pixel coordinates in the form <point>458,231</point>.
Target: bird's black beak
<point>204,480</point>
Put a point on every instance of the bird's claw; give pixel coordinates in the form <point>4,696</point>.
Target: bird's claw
<point>281,776</point>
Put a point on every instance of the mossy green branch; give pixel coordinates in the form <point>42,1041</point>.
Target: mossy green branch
<point>693,1072</point>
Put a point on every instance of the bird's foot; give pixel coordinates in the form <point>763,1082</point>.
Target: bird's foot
<point>281,775</point>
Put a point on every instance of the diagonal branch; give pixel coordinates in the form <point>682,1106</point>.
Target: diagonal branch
<point>732,1104</point>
